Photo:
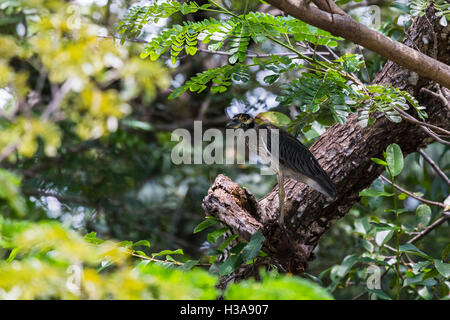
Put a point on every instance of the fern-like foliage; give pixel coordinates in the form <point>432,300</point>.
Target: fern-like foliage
<point>234,33</point>
<point>331,91</point>
<point>442,10</point>
<point>278,65</point>
<point>263,25</point>
<point>138,16</point>
<point>384,99</point>
<point>418,8</point>
<point>323,90</point>
<point>221,79</point>
<point>326,91</point>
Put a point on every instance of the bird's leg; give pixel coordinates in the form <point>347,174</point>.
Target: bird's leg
<point>281,195</point>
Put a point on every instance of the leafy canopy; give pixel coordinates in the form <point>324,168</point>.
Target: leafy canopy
<point>327,88</point>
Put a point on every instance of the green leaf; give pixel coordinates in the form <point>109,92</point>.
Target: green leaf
<point>144,243</point>
<point>136,124</point>
<point>238,248</point>
<point>233,59</point>
<point>231,264</point>
<point>444,290</point>
<point>218,89</point>
<point>126,243</point>
<point>425,293</point>
<point>274,117</point>
<point>410,248</point>
<point>394,159</point>
<point>429,274</point>
<point>423,215</point>
<point>374,193</point>
<point>92,238</point>
<point>443,268</point>
<point>216,234</point>
<point>383,236</point>
<point>251,250</point>
<point>380,226</point>
<point>227,242</point>
<point>417,280</point>
<point>399,211</point>
<point>166,252</point>
<point>379,161</point>
<point>362,225</point>
<point>419,266</point>
<point>339,271</point>
<point>379,293</point>
<point>188,265</point>
<point>191,50</point>
<point>402,196</point>
<point>13,254</point>
<point>177,92</point>
<point>374,261</point>
<point>270,79</point>
<point>205,224</point>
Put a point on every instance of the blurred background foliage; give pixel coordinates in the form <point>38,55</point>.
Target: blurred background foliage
<point>85,149</point>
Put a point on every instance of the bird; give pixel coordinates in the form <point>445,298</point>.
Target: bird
<point>295,160</point>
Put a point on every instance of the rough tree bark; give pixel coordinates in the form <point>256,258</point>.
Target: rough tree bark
<point>344,151</point>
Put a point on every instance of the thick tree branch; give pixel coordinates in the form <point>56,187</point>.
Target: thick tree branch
<point>338,23</point>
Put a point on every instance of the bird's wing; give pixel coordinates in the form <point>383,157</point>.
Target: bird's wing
<point>297,158</point>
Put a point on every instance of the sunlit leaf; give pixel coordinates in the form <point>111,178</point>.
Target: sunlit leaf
<point>394,159</point>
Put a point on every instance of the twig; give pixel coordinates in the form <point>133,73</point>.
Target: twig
<point>58,96</point>
<point>435,136</point>
<point>444,99</point>
<point>438,95</point>
<point>332,52</point>
<point>129,40</point>
<point>425,126</point>
<point>428,229</point>
<point>435,166</point>
<point>412,194</point>
<point>411,119</point>
<point>167,261</point>
<point>156,260</point>
<point>262,55</point>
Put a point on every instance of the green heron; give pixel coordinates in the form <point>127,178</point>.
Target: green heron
<point>295,160</point>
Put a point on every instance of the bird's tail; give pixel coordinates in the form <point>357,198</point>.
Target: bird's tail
<point>324,185</point>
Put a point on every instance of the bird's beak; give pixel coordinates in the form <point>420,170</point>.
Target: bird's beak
<point>233,124</point>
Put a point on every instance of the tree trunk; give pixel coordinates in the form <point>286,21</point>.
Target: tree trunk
<point>344,151</point>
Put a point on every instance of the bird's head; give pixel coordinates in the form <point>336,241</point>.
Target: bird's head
<point>241,121</point>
